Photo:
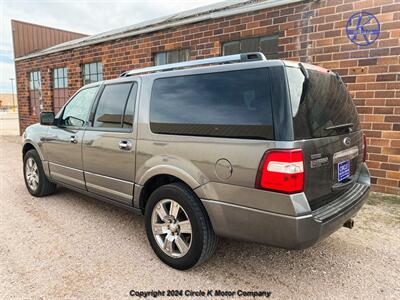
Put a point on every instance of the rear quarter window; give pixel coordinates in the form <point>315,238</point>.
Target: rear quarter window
<point>234,104</point>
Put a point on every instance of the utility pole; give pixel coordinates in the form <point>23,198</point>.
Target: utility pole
<point>12,90</point>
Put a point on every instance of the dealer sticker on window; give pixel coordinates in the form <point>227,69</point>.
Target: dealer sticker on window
<point>343,170</point>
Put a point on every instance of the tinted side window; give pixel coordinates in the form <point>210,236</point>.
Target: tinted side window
<point>111,106</point>
<point>233,104</point>
<point>77,110</point>
<point>130,108</point>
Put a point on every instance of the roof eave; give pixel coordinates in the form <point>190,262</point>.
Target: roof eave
<point>164,25</point>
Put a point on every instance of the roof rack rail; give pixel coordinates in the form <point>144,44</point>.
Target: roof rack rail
<point>243,57</point>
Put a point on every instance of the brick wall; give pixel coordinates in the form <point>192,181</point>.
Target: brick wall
<point>311,31</point>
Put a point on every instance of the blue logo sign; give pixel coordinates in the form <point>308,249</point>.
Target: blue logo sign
<point>363,28</point>
<point>343,170</point>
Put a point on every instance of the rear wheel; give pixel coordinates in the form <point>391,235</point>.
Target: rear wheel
<point>178,227</point>
<point>35,179</point>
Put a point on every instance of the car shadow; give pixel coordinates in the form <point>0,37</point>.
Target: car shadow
<point>235,261</point>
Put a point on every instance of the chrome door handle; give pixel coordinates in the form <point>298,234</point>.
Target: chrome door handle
<point>125,145</point>
<point>73,139</point>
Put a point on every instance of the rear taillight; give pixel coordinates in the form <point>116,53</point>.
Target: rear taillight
<point>282,171</point>
<point>364,147</point>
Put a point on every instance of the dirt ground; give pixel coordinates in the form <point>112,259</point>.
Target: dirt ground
<point>71,246</point>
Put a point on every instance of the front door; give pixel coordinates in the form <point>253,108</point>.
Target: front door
<point>63,142</point>
<point>109,144</point>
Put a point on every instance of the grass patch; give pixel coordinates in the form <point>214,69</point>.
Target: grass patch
<point>387,208</point>
<point>378,198</point>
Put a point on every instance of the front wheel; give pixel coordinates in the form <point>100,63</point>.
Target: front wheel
<point>35,179</point>
<point>178,227</point>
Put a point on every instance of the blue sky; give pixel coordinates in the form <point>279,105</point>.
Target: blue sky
<point>86,16</point>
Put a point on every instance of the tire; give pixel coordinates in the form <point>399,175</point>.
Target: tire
<point>39,185</point>
<point>202,241</point>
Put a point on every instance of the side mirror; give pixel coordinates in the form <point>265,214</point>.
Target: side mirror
<point>47,118</point>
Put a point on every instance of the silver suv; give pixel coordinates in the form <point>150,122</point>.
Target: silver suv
<point>238,146</point>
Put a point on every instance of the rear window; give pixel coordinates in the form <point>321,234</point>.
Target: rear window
<point>233,104</point>
<point>321,103</point>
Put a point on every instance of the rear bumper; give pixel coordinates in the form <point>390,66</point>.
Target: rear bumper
<point>291,232</point>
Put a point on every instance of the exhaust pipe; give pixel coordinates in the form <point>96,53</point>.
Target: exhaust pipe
<point>349,223</point>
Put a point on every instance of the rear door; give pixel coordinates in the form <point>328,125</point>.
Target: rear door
<point>109,144</point>
<point>327,128</point>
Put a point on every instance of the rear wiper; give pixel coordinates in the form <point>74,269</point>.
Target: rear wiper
<point>340,126</point>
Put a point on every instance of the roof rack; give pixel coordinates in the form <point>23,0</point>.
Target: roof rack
<point>243,57</point>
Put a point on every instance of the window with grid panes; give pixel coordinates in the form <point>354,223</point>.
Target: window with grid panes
<point>35,89</point>
<point>60,88</point>
<point>92,72</point>
<point>268,45</point>
<point>170,57</point>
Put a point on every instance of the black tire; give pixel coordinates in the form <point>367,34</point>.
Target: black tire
<point>44,187</point>
<point>203,239</point>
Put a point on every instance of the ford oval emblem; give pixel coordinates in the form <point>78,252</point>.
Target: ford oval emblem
<point>347,141</point>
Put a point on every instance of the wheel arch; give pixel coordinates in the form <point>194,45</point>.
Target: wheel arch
<point>31,146</point>
<point>157,180</point>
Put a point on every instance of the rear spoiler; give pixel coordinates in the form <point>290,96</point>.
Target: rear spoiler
<point>304,67</point>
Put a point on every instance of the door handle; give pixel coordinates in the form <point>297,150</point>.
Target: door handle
<point>73,139</point>
<point>125,145</point>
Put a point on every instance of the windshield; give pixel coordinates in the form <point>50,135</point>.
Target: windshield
<point>321,106</point>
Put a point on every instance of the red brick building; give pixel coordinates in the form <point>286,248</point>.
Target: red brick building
<point>312,31</point>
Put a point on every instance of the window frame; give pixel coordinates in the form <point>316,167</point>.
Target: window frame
<point>64,77</point>
<point>95,105</point>
<point>65,88</point>
<point>259,40</point>
<point>170,51</point>
<point>97,63</point>
<point>39,79</point>
<point>87,121</point>
<point>35,94</point>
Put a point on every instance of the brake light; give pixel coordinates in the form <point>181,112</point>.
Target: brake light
<point>364,147</point>
<point>282,171</point>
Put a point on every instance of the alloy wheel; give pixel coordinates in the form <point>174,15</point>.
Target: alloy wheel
<point>32,174</point>
<point>171,228</point>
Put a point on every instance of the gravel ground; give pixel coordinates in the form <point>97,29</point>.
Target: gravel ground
<point>9,123</point>
<point>72,246</point>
